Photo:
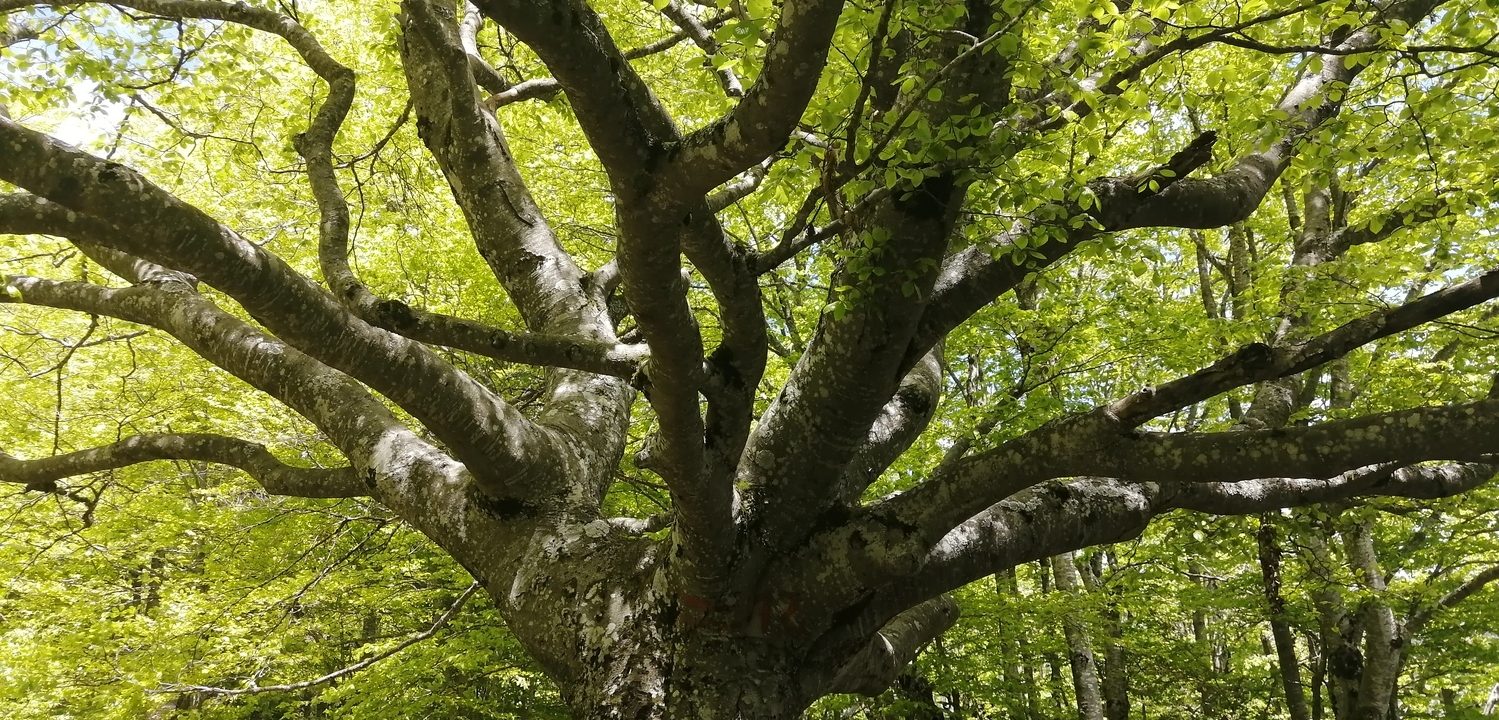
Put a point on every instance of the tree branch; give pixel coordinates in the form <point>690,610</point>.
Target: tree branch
<point>399,468</point>
<point>1383,480</point>
<point>1258,362</point>
<point>853,366</point>
<point>900,422</point>
<point>893,648</point>
<point>512,235</point>
<point>1076,447</point>
<point>330,400</point>
<point>1424,613</point>
<point>975,276</point>
<point>26,214</point>
<point>506,450</point>
<point>276,477</point>
<point>623,121</point>
<point>763,120</point>
<point>438,624</point>
<point>692,28</point>
<point>1062,516</point>
<point>627,127</point>
<point>555,297</point>
<point>970,485</point>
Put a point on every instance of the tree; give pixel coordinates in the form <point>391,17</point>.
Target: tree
<point>800,244</point>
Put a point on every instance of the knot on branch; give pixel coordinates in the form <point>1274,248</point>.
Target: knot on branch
<point>395,315</point>
<point>1119,198</point>
<point>42,486</point>
<point>1196,154</point>
<point>1253,357</point>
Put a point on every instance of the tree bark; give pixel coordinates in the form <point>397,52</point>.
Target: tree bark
<point>1340,635</point>
<point>1085,681</point>
<point>1280,626</point>
<point>1113,673</point>
<point>1019,672</point>
<point>1384,641</point>
<point>774,584</point>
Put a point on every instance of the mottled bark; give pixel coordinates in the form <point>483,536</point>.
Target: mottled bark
<point>757,603</point>
<point>1339,636</point>
<point>1086,687</point>
<point>1384,638</point>
<point>1113,672</point>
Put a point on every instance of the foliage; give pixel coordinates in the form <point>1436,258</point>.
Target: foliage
<point>136,584</point>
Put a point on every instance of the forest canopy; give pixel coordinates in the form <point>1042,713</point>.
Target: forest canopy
<point>749,358</point>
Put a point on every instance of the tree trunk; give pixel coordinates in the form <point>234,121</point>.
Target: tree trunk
<point>1113,673</point>
<point>1318,660</point>
<point>1280,627</point>
<point>1383,639</point>
<point>1019,674</point>
<point>1340,634</point>
<point>1079,643</point>
<point>1216,652</point>
<point>735,684</point>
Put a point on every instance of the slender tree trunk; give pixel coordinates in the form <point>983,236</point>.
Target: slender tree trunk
<point>1215,651</point>
<point>1019,674</point>
<point>1114,674</point>
<point>1383,640</point>
<point>1449,702</point>
<point>1079,643</point>
<point>1318,660</point>
<point>1340,634</point>
<point>1280,628</point>
<point>1057,685</point>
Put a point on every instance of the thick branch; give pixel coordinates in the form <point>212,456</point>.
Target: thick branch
<point>399,468</point>
<point>276,477</point>
<point>1450,432</point>
<point>1080,446</point>
<point>769,111</point>
<point>899,423</point>
<point>507,450</point>
<point>330,400</point>
<point>623,121</point>
<point>1458,432</point>
<point>25,214</point>
<point>546,88</point>
<point>1258,362</point>
<point>851,369</point>
<point>553,294</point>
<point>512,235</point>
<point>1058,517</point>
<point>1417,481</point>
<point>974,277</point>
<point>887,654</point>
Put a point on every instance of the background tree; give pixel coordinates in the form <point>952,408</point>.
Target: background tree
<point>718,382</point>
